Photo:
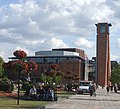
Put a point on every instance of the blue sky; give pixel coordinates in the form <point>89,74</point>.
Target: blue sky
<point>7,2</point>
<point>34,25</point>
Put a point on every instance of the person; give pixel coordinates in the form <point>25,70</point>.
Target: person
<point>107,88</point>
<point>41,93</point>
<point>111,88</point>
<point>91,89</point>
<point>50,94</point>
<point>94,89</point>
<point>33,92</point>
<point>115,88</point>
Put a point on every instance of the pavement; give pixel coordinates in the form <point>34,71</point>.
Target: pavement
<point>103,100</point>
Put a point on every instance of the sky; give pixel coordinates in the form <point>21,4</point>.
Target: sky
<point>40,25</point>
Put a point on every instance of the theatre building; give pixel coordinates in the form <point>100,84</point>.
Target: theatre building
<point>68,59</point>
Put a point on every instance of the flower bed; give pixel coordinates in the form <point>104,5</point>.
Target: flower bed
<point>7,94</point>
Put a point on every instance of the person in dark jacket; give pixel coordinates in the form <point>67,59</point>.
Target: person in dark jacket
<point>50,94</point>
<point>107,88</point>
<point>41,93</point>
<point>115,88</point>
<point>91,89</point>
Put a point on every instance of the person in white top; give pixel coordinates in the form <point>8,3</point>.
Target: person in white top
<point>33,92</point>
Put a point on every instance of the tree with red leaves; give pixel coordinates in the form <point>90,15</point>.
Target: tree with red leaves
<point>20,54</point>
<point>54,66</point>
<point>21,65</point>
<point>53,74</point>
<point>32,65</point>
<point>52,71</point>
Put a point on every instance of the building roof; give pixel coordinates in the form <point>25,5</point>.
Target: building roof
<point>48,57</point>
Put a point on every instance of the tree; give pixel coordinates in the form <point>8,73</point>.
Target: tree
<point>115,75</point>
<point>20,65</point>
<point>1,66</point>
<point>52,75</point>
<point>57,79</point>
<point>68,76</point>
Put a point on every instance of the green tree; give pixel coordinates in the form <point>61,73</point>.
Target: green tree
<point>57,79</point>
<point>115,75</point>
<point>43,78</point>
<point>1,67</point>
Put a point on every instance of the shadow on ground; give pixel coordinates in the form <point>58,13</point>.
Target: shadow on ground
<point>93,99</point>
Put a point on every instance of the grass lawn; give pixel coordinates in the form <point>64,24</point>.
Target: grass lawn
<point>11,103</point>
<point>64,94</point>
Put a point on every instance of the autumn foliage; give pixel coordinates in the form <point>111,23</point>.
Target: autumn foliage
<point>52,71</point>
<point>54,66</point>
<point>21,64</point>
<point>32,65</point>
<point>20,54</point>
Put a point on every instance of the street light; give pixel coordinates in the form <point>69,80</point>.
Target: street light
<point>19,70</point>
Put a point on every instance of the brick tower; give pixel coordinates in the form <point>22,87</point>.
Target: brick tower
<point>103,63</point>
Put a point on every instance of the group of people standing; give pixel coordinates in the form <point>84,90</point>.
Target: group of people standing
<point>41,94</point>
<point>111,88</point>
<point>92,89</point>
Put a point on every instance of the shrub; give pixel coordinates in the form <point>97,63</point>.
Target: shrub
<point>27,86</point>
<point>6,85</point>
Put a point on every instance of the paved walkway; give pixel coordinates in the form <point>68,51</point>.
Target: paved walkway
<point>101,101</point>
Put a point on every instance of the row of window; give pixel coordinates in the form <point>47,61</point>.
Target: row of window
<point>52,59</point>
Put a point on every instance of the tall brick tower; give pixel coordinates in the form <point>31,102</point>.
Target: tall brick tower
<point>103,63</point>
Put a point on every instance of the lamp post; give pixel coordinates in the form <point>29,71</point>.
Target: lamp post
<point>18,86</point>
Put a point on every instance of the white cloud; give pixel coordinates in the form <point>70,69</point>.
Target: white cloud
<point>114,57</point>
<point>2,54</point>
<point>46,24</point>
<point>119,42</point>
<point>51,17</point>
<point>28,52</point>
<point>53,43</point>
<point>56,42</point>
<point>82,42</point>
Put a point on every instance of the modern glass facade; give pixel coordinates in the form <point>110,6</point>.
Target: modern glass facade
<point>52,59</point>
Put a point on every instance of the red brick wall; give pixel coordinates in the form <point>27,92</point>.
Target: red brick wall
<point>103,58</point>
